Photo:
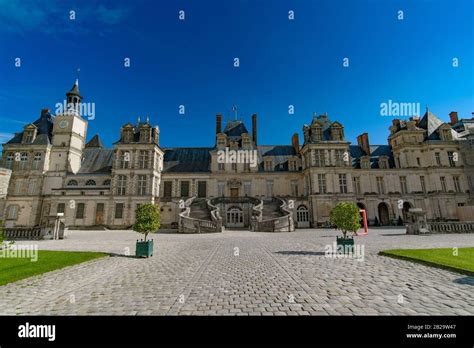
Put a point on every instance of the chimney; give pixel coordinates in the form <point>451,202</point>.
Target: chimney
<point>254,129</point>
<point>44,112</point>
<point>395,122</point>
<point>363,141</point>
<point>453,115</point>
<point>218,123</point>
<point>295,142</point>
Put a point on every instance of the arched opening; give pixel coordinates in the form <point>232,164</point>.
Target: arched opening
<point>406,208</point>
<point>302,216</point>
<point>234,217</point>
<point>384,218</point>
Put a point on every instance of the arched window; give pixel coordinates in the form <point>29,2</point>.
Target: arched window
<point>72,183</point>
<point>90,182</point>
<point>106,182</point>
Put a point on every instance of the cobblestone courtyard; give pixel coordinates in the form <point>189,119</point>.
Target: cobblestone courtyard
<point>243,273</point>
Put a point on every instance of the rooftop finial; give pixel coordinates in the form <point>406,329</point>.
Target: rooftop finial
<point>147,119</point>
<point>138,119</point>
<point>77,78</point>
<point>427,109</point>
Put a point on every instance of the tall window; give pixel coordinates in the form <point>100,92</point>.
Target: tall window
<point>247,188</point>
<point>438,158</point>
<point>142,185</point>
<point>12,212</point>
<point>121,185</point>
<point>60,208</point>
<point>37,160</point>
<point>340,158</point>
<point>167,189</point>
<point>246,167</point>
<point>423,184</point>
<point>184,188</point>
<point>356,181</point>
<point>457,184</point>
<point>124,159</point>
<point>143,159</point>
<point>319,158</point>
<point>292,165</point>
<point>80,211</point>
<point>380,185</point>
<point>342,183</point>
<point>119,210</point>
<point>322,183</point>
<point>9,160</point>
<point>403,184</point>
<point>220,189</point>
<point>269,188</point>
<point>220,167</point>
<point>23,160</point>
<point>452,163</point>
<point>31,188</point>
<point>294,188</point>
<point>443,183</point>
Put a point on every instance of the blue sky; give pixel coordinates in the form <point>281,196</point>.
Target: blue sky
<point>190,63</point>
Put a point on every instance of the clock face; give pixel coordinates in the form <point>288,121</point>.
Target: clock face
<point>63,124</point>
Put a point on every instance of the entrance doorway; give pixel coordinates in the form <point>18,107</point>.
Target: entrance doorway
<point>383,214</point>
<point>234,217</point>
<point>99,214</point>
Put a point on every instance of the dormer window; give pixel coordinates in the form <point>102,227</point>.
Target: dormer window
<point>316,133</point>
<point>383,163</point>
<point>72,183</point>
<point>127,135</point>
<point>337,133</point>
<point>446,135</point>
<point>145,135</point>
<point>29,134</point>
<point>365,163</point>
<point>268,165</point>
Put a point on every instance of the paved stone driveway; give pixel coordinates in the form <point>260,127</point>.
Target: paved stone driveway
<point>244,273</point>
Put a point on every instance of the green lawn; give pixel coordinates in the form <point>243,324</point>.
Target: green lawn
<point>13,269</point>
<point>441,258</point>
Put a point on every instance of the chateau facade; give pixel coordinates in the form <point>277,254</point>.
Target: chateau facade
<point>427,164</point>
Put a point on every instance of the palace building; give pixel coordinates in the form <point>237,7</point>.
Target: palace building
<point>427,163</point>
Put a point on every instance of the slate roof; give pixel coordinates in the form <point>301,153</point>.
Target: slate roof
<point>196,159</point>
<point>279,153</point>
<point>430,123</point>
<point>375,152</point>
<point>95,142</point>
<point>44,130</point>
<point>96,160</point>
<point>75,89</point>
<point>234,130</point>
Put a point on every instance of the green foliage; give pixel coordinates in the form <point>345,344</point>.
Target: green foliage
<point>148,219</point>
<point>345,217</point>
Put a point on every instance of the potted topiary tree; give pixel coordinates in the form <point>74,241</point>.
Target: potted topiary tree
<point>147,221</point>
<point>345,217</point>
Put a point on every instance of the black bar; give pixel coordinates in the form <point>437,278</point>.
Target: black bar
<point>367,330</point>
